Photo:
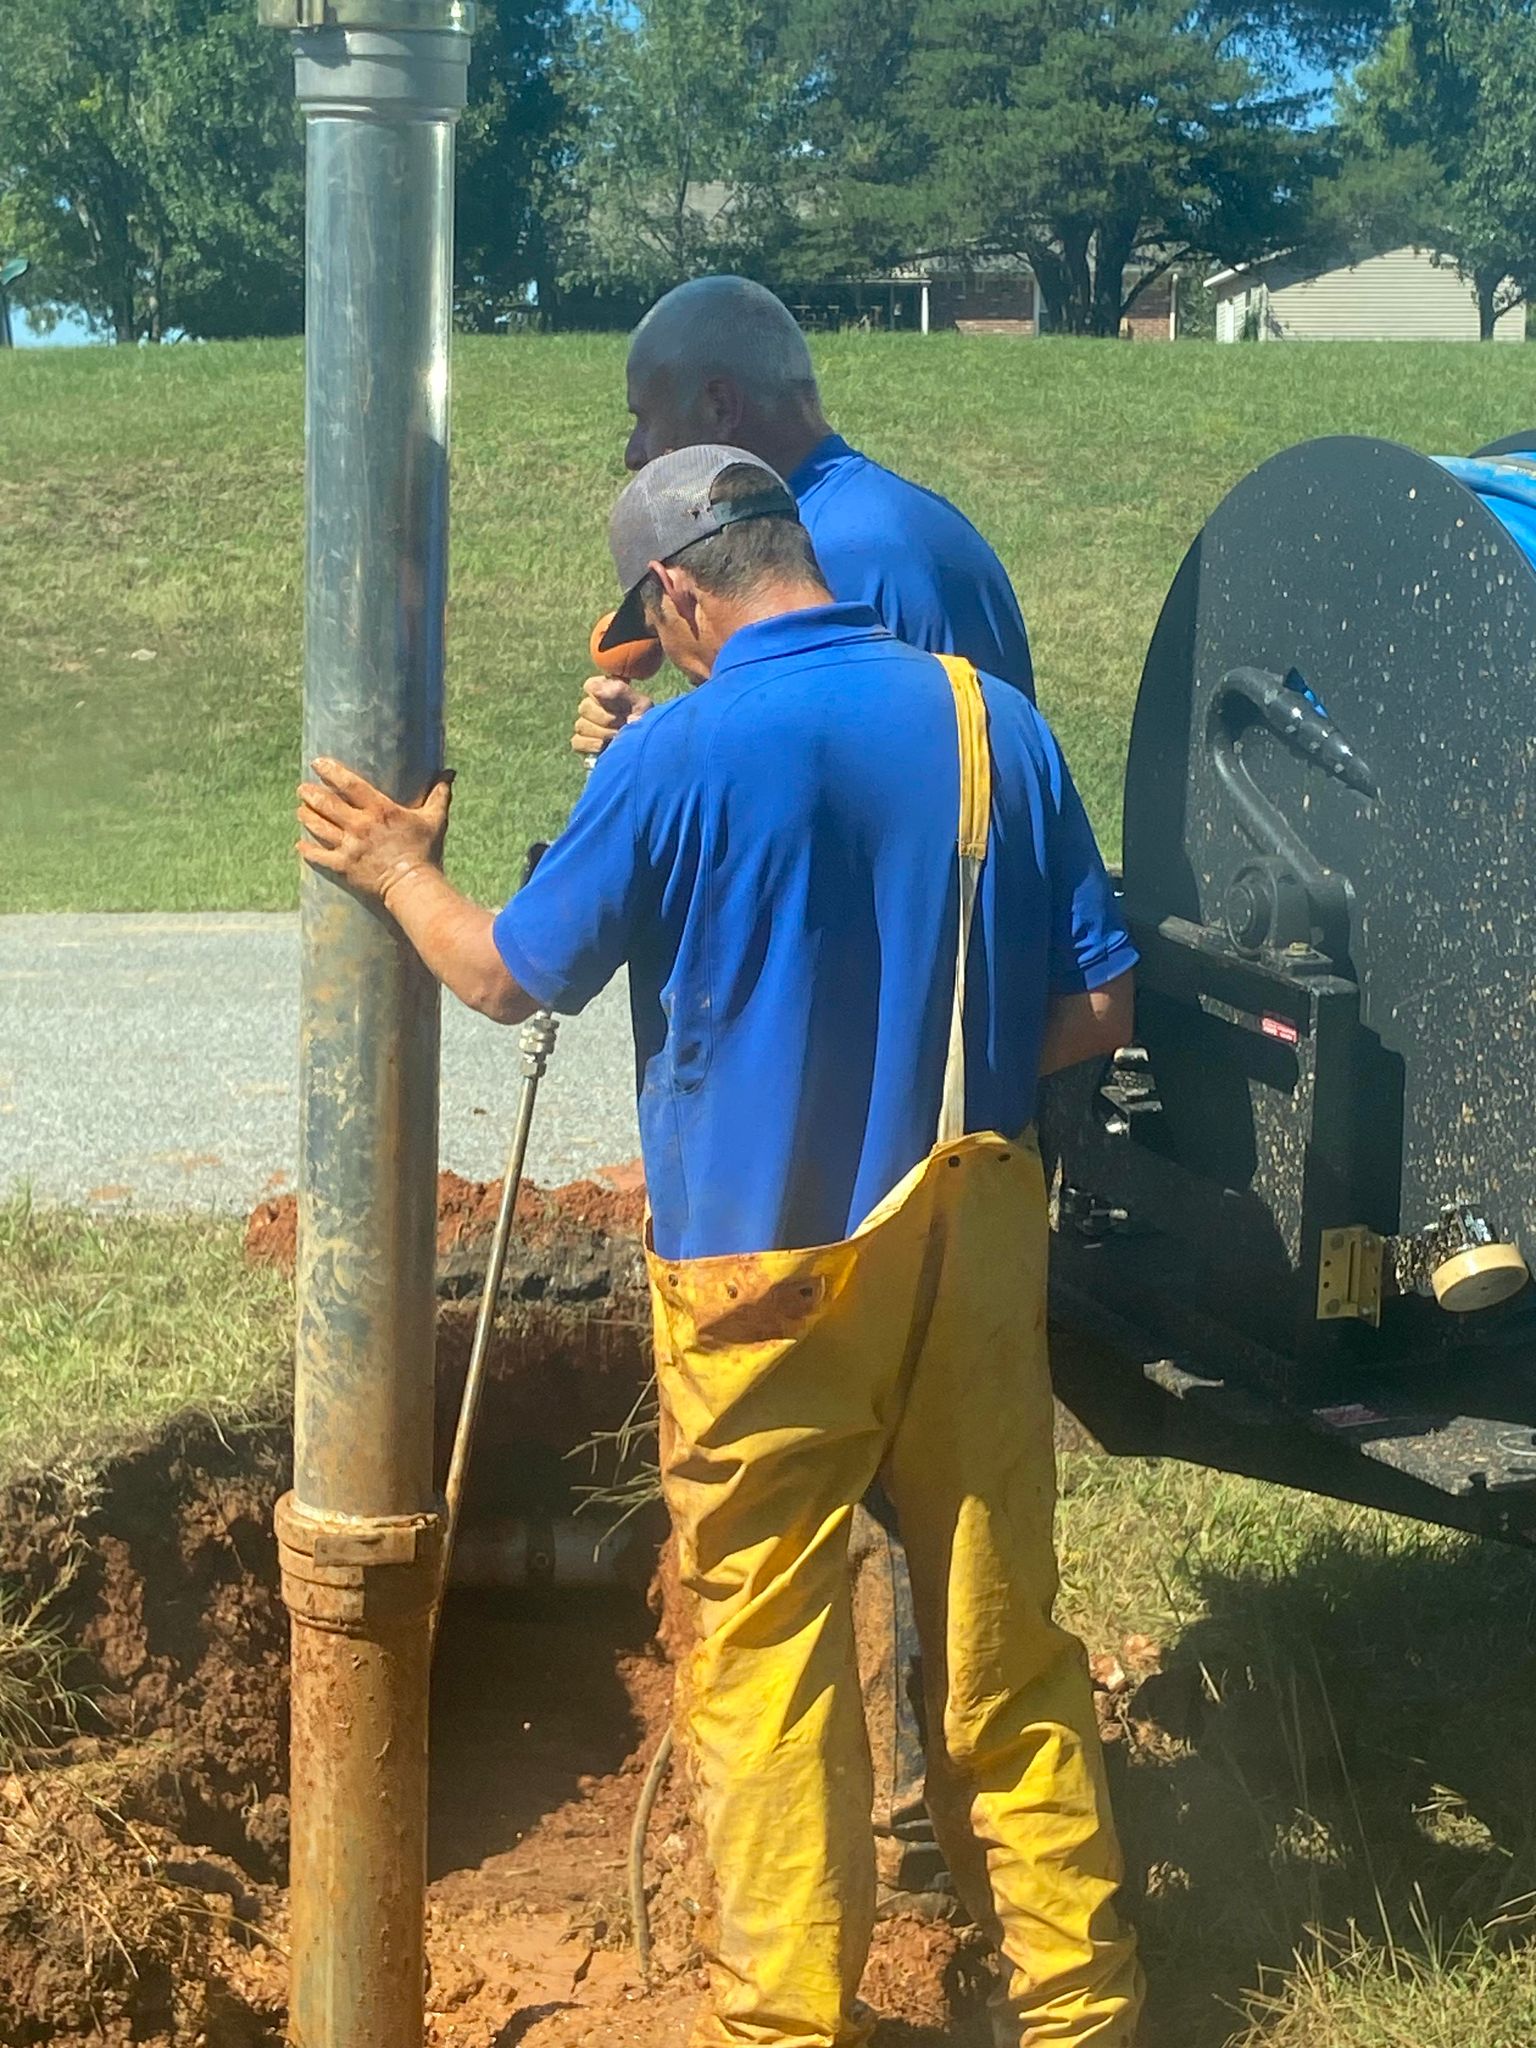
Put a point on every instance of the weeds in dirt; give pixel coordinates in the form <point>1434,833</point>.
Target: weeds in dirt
<point>37,1704</point>
<point>109,1328</point>
<point>626,1477</point>
<point>92,1901</point>
<point>1355,1993</point>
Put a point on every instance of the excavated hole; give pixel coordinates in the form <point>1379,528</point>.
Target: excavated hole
<point>142,1858</point>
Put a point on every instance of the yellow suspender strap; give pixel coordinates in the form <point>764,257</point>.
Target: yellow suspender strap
<point>975,822</point>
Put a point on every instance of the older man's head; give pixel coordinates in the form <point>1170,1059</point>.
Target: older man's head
<point>722,360</point>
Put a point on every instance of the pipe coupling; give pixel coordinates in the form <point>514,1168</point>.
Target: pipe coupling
<point>357,1574</point>
<point>389,16</point>
<point>537,1043</point>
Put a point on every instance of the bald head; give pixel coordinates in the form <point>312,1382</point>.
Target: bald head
<point>721,359</point>
<point>725,327</point>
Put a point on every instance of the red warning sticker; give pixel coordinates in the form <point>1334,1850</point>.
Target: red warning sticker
<point>1281,1028</point>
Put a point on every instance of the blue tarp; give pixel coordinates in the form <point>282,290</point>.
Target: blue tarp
<point>1507,486</point>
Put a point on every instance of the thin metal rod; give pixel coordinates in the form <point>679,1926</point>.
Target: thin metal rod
<point>538,1042</point>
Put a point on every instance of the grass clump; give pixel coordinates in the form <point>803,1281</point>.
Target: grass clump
<point>122,1936</point>
<point>37,1704</point>
<point>1475,1992</point>
<point>108,1329</point>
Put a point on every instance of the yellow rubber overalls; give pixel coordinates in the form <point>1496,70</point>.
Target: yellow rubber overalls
<point>915,1349</point>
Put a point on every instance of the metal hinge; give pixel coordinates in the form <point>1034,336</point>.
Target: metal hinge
<point>1130,1090</point>
<point>1349,1276</point>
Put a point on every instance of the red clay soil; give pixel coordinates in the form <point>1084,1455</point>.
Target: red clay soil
<point>140,1863</point>
<point>539,1766</point>
<point>610,1205</point>
<point>544,1722</point>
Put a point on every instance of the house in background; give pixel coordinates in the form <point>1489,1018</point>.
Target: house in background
<point>1403,295</point>
<point>987,295</point>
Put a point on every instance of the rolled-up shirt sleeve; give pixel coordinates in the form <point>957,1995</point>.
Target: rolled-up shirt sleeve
<point>571,927</point>
<point>1090,945</point>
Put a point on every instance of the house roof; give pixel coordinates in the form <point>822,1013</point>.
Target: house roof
<point>1316,265</point>
<point>1220,277</point>
<point>945,269</point>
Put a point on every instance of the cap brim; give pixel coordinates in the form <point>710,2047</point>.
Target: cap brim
<point>628,622</point>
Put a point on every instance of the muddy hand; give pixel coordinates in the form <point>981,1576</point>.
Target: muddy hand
<point>365,837</point>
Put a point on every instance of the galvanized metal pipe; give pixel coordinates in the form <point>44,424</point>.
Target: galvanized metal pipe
<point>381,83</point>
<point>380,187</point>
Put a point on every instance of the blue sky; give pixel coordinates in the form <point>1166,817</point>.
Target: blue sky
<point>68,333</point>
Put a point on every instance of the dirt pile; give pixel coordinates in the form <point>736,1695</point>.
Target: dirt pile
<point>163,1580</point>
<point>610,1206</point>
<point>570,1353</point>
<point>135,1855</point>
<point>113,1929</point>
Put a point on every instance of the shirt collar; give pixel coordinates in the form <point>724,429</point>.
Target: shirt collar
<point>823,458</point>
<point>794,633</point>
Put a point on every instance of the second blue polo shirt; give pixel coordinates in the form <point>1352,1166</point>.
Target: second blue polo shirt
<point>913,558</point>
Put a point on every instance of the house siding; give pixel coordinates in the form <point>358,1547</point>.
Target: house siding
<point>1401,296</point>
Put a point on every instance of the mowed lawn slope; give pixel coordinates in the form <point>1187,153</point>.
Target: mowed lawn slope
<point>151,556</point>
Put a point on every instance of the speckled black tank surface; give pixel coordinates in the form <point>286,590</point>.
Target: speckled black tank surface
<point>1296,1209</point>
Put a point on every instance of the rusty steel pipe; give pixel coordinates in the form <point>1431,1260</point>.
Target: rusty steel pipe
<point>381,83</point>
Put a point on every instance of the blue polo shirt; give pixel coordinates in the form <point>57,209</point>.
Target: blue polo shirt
<point>773,857</point>
<point>913,558</point>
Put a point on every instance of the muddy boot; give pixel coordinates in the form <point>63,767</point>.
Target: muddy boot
<point>909,1867</point>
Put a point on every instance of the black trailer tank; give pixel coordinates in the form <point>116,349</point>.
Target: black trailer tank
<point>1296,1214</point>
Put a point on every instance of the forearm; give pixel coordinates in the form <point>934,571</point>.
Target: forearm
<point>1087,1026</point>
<point>453,936</point>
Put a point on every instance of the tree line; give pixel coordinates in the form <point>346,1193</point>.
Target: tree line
<point>151,156</point>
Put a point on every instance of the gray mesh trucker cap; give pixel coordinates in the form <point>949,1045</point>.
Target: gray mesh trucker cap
<point>667,508</point>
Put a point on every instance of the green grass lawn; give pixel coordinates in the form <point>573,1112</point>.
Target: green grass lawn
<point>1339,1843</point>
<point>109,1329</point>
<point>150,555</point>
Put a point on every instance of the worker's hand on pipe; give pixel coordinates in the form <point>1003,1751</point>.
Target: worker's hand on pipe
<point>359,833</point>
<point>607,705</point>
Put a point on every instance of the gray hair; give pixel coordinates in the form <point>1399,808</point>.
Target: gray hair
<point>725,327</point>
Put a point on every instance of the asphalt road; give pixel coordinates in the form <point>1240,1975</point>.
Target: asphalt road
<point>153,1061</point>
